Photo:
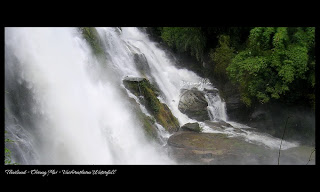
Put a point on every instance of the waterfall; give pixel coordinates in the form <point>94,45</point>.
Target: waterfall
<point>65,106</point>
<point>66,114</point>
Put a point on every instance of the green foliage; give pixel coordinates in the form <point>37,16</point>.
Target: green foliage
<point>221,57</point>
<point>92,37</point>
<point>7,158</point>
<point>185,39</point>
<point>275,59</point>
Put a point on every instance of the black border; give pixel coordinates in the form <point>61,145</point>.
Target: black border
<point>265,175</point>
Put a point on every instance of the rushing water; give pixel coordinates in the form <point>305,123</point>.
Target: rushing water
<point>65,107</point>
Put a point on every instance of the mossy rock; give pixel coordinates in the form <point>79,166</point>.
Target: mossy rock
<point>149,126</point>
<point>148,123</point>
<point>92,37</point>
<point>147,94</point>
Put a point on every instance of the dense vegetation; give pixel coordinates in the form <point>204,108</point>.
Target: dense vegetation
<point>185,39</point>
<point>264,63</point>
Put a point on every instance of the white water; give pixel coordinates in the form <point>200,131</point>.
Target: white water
<point>85,121</point>
<point>84,116</point>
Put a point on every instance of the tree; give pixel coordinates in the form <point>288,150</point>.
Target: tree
<point>222,56</point>
<point>185,39</point>
<point>275,60</point>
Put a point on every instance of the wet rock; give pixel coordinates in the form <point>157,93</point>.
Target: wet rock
<point>194,105</point>
<point>141,62</point>
<point>212,148</point>
<point>147,95</point>
<point>133,79</point>
<point>195,127</point>
<point>146,122</point>
<point>211,91</point>
<point>219,124</point>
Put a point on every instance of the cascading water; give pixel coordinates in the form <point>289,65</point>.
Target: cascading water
<point>74,117</point>
<point>63,106</point>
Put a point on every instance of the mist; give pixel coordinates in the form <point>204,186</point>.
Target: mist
<point>76,119</point>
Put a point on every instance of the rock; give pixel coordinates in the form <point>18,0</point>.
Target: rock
<point>236,109</point>
<point>141,62</point>
<point>221,124</point>
<point>147,123</point>
<point>191,127</point>
<point>233,104</point>
<point>92,37</point>
<point>194,104</point>
<point>201,141</point>
<point>213,148</point>
<point>133,79</point>
<point>147,95</point>
<point>211,91</point>
<point>165,118</point>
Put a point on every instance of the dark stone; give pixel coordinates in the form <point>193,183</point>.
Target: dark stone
<point>191,127</point>
<point>141,62</point>
<point>194,105</point>
<point>133,79</point>
<point>211,91</point>
<point>217,125</point>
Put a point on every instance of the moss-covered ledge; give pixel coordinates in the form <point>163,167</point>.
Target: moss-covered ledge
<point>160,111</point>
<point>92,37</point>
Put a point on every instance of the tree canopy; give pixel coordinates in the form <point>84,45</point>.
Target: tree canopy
<point>185,39</point>
<point>265,63</point>
<point>275,60</point>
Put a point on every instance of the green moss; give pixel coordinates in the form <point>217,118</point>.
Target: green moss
<point>145,89</point>
<point>148,126</point>
<point>167,119</point>
<point>92,37</point>
<point>146,122</point>
<point>159,110</point>
<point>153,102</point>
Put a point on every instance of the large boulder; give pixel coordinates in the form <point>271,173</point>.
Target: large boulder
<point>194,104</point>
<point>195,127</point>
<point>216,148</point>
<point>147,95</point>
